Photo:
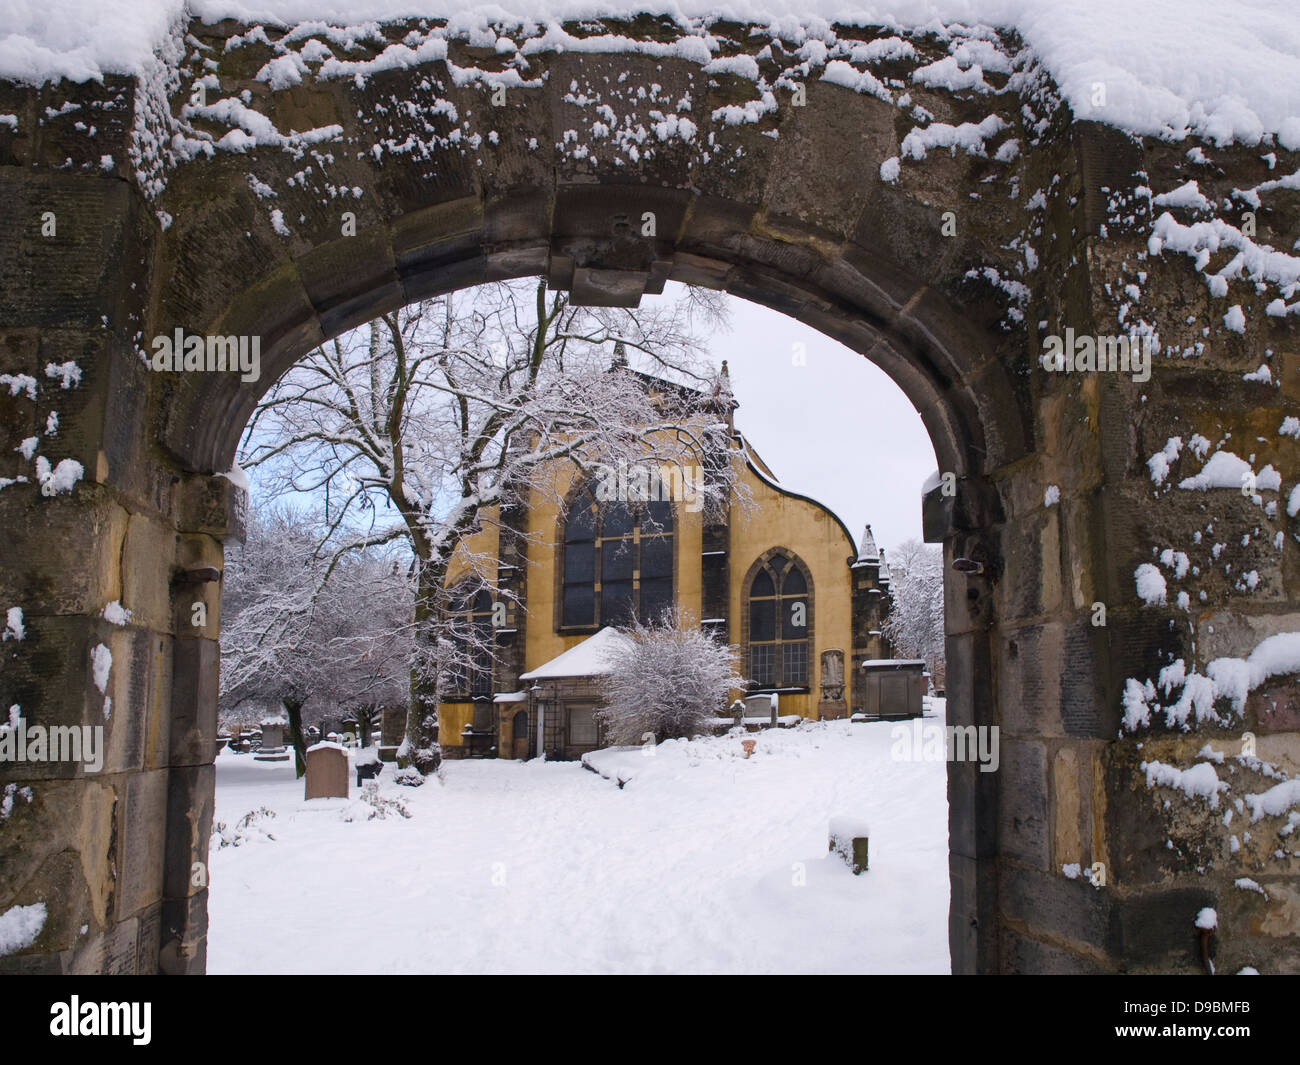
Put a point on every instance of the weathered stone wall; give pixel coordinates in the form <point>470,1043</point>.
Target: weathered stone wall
<point>304,194</point>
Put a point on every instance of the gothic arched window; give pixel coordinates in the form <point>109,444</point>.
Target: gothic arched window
<point>779,612</point>
<point>618,561</point>
<point>471,634</point>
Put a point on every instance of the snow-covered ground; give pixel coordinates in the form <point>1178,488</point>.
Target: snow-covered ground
<point>704,862</point>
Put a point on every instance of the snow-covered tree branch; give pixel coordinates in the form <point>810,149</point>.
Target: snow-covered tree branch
<point>915,624</point>
<point>289,637</point>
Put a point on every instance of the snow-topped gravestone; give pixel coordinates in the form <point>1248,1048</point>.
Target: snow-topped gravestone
<point>327,772</point>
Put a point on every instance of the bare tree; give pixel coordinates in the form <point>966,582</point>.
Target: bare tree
<point>288,635</point>
<point>669,679</point>
<point>426,425</point>
<point>915,624</point>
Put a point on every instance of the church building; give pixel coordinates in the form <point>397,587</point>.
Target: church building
<point>774,573</point>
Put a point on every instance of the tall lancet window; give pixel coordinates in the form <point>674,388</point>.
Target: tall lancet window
<point>471,634</point>
<point>779,611</point>
<point>618,561</point>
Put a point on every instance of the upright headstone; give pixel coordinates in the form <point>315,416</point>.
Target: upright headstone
<point>392,726</point>
<point>760,709</point>
<point>327,772</point>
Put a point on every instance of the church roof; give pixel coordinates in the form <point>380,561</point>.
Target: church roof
<point>591,658</point>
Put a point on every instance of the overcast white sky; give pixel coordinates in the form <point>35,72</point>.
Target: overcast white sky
<point>837,428</point>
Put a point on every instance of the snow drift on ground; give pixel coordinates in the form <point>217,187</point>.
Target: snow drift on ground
<point>1224,71</point>
<point>704,862</point>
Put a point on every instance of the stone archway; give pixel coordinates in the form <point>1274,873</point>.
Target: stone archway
<point>259,186</point>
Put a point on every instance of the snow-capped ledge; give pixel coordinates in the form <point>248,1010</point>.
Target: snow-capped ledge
<point>1222,72</point>
<point>1224,678</point>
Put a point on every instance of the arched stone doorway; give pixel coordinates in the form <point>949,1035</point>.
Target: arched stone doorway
<point>290,200</point>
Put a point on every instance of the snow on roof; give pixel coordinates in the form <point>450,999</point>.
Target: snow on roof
<point>1167,67</point>
<point>893,663</point>
<point>510,697</point>
<point>588,659</point>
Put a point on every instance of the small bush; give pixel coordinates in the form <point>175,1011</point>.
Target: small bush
<point>671,679</point>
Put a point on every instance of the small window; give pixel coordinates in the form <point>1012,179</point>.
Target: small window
<point>583,731</point>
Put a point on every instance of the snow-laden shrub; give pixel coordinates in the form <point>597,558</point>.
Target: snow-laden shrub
<point>372,806</point>
<point>409,777</point>
<point>247,829</point>
<point>669,680</point>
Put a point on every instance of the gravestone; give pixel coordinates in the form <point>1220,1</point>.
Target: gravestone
<point>327,772</point>
<point>760,709</point>
<point>392,726</point>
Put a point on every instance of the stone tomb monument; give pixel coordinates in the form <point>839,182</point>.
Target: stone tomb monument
<point>832,704</point>
<point>327,772</point>
<point>273,748</point>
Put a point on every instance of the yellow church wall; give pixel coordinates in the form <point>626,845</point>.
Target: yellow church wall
<point>776,519</point>
<point>542,641</point>
<point>452,719</point>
